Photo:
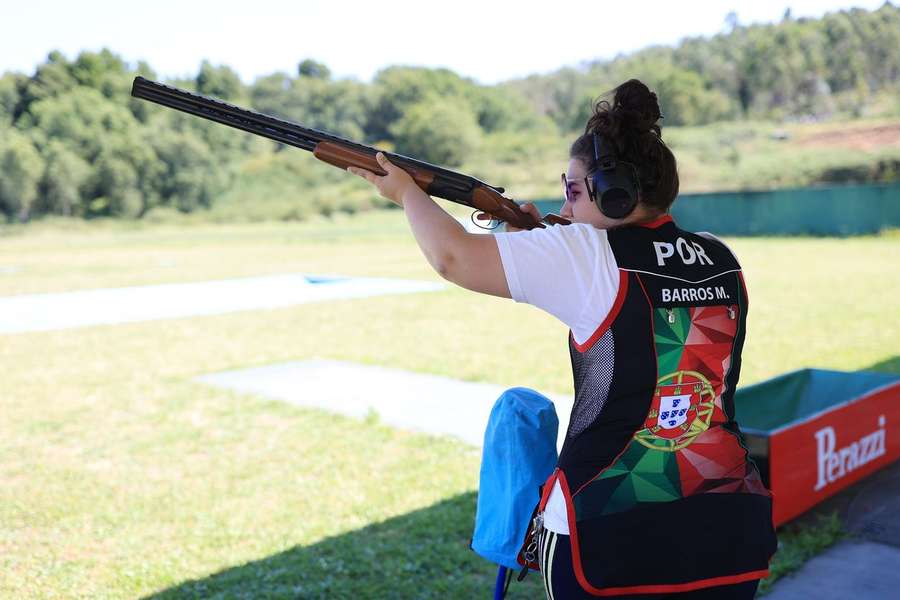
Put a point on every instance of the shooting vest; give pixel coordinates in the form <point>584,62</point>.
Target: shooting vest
<point>660,492</point>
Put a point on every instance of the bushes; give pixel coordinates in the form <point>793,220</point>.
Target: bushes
<point>884,170</point>
<point>291,186</point>
<point>21,167</point>
<point>436,130</point>
<point>80,146</point>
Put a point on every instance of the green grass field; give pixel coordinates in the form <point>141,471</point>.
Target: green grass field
<point>122,478</point>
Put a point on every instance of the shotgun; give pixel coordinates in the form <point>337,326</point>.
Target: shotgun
<point>343,153</point>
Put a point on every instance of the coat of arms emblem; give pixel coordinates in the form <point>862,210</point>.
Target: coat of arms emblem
<point>681,410</point>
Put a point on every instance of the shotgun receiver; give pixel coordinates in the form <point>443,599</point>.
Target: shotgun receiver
<point>342,153</point>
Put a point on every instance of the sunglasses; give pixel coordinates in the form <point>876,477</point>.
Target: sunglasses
<point>568,183</point>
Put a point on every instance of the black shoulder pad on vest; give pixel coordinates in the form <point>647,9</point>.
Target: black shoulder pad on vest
<point>669,251</point>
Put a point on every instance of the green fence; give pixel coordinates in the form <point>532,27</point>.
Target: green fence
<point>835,210</point>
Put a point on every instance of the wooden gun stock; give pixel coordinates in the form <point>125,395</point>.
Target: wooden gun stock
<point>484,198</point>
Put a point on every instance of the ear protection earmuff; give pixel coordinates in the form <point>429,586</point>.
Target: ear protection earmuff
<point>615,182</point>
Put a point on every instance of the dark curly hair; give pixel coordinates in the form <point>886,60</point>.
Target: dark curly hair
<point>630,125</point>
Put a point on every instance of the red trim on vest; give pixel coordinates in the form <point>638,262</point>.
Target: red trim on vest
<point>607,322</point>
<point>638,589</point>
<point>656,222</point>
<point>641,426</point>
<point>744,285</point>
<point>548,487</point>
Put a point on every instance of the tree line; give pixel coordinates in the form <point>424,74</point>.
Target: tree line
<point>797,68</point>
<point>73,142</point>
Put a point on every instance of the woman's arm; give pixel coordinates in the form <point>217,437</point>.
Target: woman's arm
<point>469,260</point>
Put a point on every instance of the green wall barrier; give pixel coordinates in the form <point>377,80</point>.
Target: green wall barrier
<point>833,210</point>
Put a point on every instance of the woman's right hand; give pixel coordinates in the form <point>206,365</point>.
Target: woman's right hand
<point>528,208</point>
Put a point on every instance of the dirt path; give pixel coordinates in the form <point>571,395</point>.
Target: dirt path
<point>856,138</point>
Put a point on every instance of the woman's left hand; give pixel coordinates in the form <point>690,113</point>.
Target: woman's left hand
<point>393,185</point>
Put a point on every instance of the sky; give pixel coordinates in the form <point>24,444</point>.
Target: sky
<point>487,41</point>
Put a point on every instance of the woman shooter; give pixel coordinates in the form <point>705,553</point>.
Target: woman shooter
<point>654,495</point>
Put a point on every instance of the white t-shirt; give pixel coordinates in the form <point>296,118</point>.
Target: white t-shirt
<point>570,272</point>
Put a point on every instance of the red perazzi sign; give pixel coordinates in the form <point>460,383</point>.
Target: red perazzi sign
<point>811,460</point>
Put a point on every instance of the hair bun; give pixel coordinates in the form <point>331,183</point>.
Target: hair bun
<point>636,107</point>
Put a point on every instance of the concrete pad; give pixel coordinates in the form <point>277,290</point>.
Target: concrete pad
<point>43,312</point>
<point>412,401</point>
<point>849,570</point>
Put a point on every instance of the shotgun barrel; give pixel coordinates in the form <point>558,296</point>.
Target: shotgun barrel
<point>433,179</point>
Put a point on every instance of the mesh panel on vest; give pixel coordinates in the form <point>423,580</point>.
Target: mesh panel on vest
<point>593,374</point>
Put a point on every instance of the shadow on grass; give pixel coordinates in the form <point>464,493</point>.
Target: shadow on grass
<point>890,365</point>
<point>422,554</point>
<point>425,554</point>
